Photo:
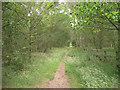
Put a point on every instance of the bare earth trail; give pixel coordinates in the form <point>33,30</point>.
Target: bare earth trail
<point>60,79</point>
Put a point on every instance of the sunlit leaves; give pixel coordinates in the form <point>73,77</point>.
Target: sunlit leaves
<point>86,13</point>
<point>96,31</point>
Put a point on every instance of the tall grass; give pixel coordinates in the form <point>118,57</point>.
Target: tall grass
<point>42,68</point>
<point>93,73</point>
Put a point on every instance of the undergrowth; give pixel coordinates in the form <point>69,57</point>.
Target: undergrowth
<point>43,67</point>
<point>93,73</point>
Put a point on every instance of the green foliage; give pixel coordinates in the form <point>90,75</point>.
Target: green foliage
<point>32,27</point>
<point>90,73</point>
<point>43,67</point>
<point>95,18</point>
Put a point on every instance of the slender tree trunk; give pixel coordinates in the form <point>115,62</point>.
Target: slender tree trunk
<point>118,54</point>
<point>30,29</point>
<point>30,41</point>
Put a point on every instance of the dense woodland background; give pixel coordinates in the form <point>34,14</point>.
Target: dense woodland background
<point>89,27</point>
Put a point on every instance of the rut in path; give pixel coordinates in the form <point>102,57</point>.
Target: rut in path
<point>60,79</point>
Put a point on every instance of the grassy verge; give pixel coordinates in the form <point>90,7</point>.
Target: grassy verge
<point>93,73</point>
<point>42,68</point>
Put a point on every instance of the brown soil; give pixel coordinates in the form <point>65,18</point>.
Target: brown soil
<point>60,79</point>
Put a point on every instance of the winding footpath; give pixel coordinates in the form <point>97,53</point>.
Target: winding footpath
<point>60,79</point>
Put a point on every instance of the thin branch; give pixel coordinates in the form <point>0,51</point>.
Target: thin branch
<point>112,23</point>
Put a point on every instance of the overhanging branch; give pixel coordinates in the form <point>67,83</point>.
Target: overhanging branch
<point>112,23</point>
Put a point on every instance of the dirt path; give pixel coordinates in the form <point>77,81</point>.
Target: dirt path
<point>60,79</point>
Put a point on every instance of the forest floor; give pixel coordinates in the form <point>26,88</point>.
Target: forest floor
<point>59,69</point>
<point>41,70</point>
<point>85,70</point>
<point>60,79</point>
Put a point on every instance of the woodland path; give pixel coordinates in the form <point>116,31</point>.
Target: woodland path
<point>60,79</point>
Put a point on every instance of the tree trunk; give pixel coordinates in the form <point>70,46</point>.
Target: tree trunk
<point>118,54</point>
